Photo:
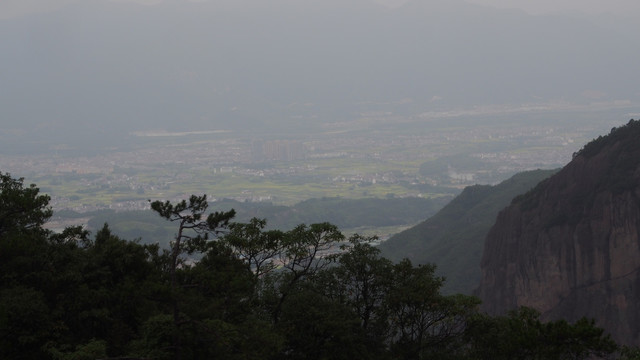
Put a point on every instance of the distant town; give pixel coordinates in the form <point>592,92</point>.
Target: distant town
<point>373,157</point>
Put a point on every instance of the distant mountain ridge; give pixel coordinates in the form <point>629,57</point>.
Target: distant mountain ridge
<point>571,247</point>
<point>453,238</point>
<point>348,214</point>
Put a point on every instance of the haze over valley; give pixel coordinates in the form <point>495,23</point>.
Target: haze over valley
<point>106,104</point>
<point>288,179</point>
<point>87,76</point>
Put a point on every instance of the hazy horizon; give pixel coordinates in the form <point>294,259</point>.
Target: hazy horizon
<point>627,8</point>
<point>96,71</point>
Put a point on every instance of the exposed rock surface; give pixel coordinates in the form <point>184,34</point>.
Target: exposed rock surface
<point>571,246</point>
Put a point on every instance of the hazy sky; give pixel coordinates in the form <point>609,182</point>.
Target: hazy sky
<point>104,68</point>
<point>618,7</point>
<point>12,8</point>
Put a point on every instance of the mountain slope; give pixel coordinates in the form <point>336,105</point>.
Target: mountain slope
<point>571,247</point>
<point>453,238</point>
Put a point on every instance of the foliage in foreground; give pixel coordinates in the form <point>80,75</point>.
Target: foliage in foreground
<point>307,293</point>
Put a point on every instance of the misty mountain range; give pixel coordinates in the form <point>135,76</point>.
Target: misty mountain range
<point>95,71</point>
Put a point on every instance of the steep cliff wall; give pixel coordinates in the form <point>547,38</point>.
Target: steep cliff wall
<point>571,246</point>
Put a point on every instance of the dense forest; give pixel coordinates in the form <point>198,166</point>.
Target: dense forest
<point>254,293</point>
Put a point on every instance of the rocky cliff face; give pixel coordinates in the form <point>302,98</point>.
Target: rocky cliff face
<point>571,247</point>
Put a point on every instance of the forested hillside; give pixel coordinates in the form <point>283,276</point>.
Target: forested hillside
<point>347,214</point>
<point>453,238</point>
<point>254,294</point>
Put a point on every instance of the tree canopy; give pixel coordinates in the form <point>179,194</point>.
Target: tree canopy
<point>22,209</point>
<point>237,291</point>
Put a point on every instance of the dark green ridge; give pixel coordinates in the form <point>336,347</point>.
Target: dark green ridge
<point>453,238</point>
